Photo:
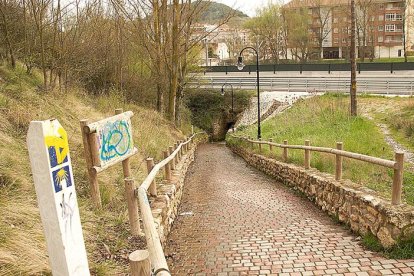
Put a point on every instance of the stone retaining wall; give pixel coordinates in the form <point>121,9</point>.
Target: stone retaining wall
<point>165,206</point>
<point>356,206</point>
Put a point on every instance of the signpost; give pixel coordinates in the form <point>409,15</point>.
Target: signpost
<point>108,142</point>
<point>56,195</point>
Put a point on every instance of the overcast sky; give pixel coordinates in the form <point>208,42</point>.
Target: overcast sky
<point>247,6</point>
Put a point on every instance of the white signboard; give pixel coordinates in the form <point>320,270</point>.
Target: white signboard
<point>56,195</point>
<point>115,141</point>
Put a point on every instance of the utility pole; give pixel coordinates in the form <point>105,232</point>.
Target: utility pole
<point>353,61</point>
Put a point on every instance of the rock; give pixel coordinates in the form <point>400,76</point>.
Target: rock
<point>385,237</point>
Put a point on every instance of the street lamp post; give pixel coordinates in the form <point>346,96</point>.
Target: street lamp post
<point>232,102</point>
<point>240,66</point>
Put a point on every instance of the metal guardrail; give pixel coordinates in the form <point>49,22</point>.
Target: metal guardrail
<point>322,67</point>
<point>401,86</point>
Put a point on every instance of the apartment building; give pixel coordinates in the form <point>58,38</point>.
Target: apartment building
<point>380,27</point>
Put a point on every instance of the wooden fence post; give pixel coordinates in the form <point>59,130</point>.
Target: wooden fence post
<point>132,202</point>
<point>307,155</point>
<point>167,167</point>
<point>140,263</point>
<point>92,174</point>
<point>339,158</point>
<point>126,163</point>
<point>398,178</point>
<point>260,145</point>
<point>285,151</point>
<point>153,186</point>
<point>270,146</point>
<point>172,162</point>
<point>177,156</point>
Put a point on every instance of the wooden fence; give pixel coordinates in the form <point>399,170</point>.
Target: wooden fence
<point>138,260</point>
<point>397,164</point>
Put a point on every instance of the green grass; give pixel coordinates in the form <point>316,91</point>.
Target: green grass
<point>402,250</point>
<point>324,121</point>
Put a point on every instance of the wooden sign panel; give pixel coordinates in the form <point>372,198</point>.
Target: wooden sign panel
<point>56,195</point>
<point>115,141</point>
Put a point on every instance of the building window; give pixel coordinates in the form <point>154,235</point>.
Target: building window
<point>390,16</point>
<point>390,28</point>
<point>380,28</point>
<point>398,17</point>
<point>336,40</point>
<point>380,39</point>
<point>344,30</point>
<point>381,6</point>
<point>381,17</point>
<point>372,18</point>
<point>399,28</point>
<point>343,40</point>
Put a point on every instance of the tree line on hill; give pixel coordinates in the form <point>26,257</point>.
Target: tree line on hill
<point>142,48</point>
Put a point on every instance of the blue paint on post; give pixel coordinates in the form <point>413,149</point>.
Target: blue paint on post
<point>115,140</point>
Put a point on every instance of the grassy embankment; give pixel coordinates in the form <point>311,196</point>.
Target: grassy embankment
<point>397,113</point>
<point>106,231</point>
<point>324,121</point>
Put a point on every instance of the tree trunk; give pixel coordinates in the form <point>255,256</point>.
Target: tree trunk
<point>7,37</point>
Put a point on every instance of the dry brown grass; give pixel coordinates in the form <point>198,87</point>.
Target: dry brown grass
<point>22,245</point>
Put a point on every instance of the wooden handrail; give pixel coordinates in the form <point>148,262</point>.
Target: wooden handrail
<point>397,165</point>
<point>348,154</point>
<point>155,250</point>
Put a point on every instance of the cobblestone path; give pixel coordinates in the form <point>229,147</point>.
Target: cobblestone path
<point>237,221</point>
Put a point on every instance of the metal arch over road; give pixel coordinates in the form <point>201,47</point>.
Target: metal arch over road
<point>378,83</point>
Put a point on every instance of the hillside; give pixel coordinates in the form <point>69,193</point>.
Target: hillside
<point>22,245</point>
<point>215,12</point>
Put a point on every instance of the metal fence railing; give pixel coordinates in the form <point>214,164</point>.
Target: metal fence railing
<point>401,86</point>
<point>322,67</point>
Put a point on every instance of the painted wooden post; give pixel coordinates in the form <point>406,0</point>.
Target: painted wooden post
<point>92,174</point>
<point>50,161</point>
<point>339,158</point>
<point>285,151</point>
<point>270,146</point>
<point>260,145</point>
<point>153,186</point>
<point>398,178</point>
<point>140,263</point>
<point>172,162</point>
<point>132,202</point>
<point>307,155</point>
<point>167,167</point>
